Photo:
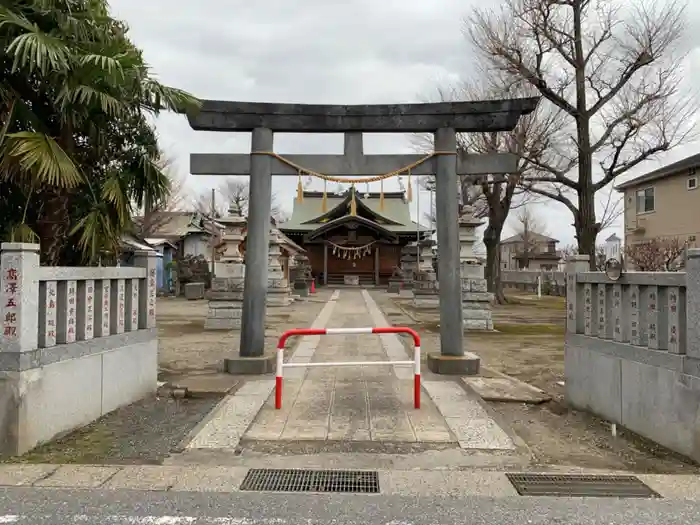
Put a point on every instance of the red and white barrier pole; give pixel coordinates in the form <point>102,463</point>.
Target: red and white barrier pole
<point>339,331</point>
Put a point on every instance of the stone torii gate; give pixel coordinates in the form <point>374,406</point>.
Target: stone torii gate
<point>444,119</point>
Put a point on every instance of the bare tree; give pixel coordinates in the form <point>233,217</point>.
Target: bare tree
<point>655,255</point>
<point>494,196</point>
<point>152,217</point>
<point>613,68</point>
<point>529,230</point>
<point>233,191</point>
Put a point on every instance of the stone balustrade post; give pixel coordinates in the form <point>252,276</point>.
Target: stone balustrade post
<point>575,306</point>
<point>147,288</point>
<point>19,297</point>
<point>692,308</point>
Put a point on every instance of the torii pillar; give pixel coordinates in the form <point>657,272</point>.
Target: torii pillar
<point>444,119</point>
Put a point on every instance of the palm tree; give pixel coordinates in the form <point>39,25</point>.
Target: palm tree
<point>75,141</point>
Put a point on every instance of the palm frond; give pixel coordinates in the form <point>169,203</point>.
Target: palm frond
<point>23,233</point>
<point>157,97</point>
<point>95,234</point>
<point>33,49</point>
<point>41,156</point>
<point>87,96</point>
<point>114,193</point>
<point>110,65</point>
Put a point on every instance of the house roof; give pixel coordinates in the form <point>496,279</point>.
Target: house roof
<point>394,216</point>
<point>174,224</point>
<point>538,256</point>
<point>536,237</point>
<point>612,238</point>
<point>378,228</point>
<point>667,171</point>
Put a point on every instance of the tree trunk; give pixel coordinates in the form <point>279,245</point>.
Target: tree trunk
<point>585,220</point>
<point>53,226</point>
<point>492,241</point>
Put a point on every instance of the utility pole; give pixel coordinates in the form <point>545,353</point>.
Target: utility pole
<point>213,237</point>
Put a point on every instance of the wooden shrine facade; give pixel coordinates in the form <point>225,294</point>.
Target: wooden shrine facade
<point>359,234</point>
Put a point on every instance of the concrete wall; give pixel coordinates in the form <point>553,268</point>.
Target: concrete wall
<point>553,283</point>
<point>76,343</point>
<point>631,352</point>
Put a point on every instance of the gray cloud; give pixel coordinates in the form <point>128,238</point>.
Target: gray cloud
<point>354,51</point>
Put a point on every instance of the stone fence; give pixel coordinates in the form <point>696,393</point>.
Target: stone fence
<point>632,353</point>
<point>553,283</point>
<point>76,343</point>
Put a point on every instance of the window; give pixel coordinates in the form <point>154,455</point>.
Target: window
<point>645,200</point>
<point>692,183</point>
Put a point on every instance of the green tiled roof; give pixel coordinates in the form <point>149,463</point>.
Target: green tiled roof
<point>396,209</point>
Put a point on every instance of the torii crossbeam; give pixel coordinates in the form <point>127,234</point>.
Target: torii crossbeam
<point>445,120</point>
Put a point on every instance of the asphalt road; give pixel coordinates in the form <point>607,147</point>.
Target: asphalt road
<point>32,506</point>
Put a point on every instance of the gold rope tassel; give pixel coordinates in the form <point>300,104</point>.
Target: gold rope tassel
<point>324,201</point>
<point>300,190</point>
<point>381,195</point>
<point>353,204</point>
<point>410,188</point>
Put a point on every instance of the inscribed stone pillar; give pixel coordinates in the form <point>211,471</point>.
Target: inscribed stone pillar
<point>575,301</point>
<point>278,292</point>
<point>476,300</point>
<point>425,286</point>
<point>147,289</point>
<point>19,294</point>
<point>226,295</point>
<point>692,309</point>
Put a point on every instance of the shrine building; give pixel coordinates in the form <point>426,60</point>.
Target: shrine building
<point>352,234</point>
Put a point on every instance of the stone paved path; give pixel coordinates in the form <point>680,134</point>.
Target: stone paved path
<point>351,403</point>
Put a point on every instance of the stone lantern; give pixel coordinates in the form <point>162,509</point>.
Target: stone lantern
<point>278,291</point>
<point>425,286</point>
<point>476,300</point>
<point>226,294</point>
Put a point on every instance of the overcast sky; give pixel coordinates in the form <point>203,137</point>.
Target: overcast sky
<point>317,51</point>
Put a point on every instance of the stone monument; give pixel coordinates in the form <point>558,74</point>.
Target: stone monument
<point>425,287</point>
<point>476,300</point>
<point>301,275</point>
<point>226,294</point>
<point>278,291</point>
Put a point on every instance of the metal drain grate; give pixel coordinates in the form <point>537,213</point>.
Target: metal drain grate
<point>580,486</point>
<point>284,480</point>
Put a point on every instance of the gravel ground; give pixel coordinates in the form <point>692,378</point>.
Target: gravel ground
<point>184,345</point>
<point>534,352</point>
<point>146,432</point>
<point>142,433</point>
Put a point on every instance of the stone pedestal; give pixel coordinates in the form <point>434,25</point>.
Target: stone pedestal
<point>225,303</point>
<point>194,291</point>
<point>468,364</point>
<point>351,280</point>
<point>226,294</point>
<point>476,301</point>
<point>425,286</point>
<point>278,291</point>
<point>395,281</point>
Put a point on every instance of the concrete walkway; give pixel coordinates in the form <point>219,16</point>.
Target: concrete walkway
<point>369,404</point>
